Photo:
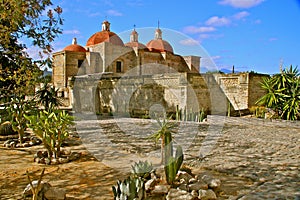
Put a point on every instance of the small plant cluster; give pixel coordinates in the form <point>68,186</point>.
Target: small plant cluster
<point>52,127</point>
<point>134,186</point>
<point>190,116</point>
<point>258,111</point>
<point>41,114</point>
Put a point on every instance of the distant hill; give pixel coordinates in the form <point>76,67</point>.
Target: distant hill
<point>223,70</point>
<point>47,73</point>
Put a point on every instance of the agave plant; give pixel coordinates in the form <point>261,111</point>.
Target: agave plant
<point>130,188</point>
<point>142,169</point>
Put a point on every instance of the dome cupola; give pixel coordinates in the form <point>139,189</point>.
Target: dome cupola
<point>105,35</point>
<point>134,40</point>
<point>158,44</point>
<point>75,47</point>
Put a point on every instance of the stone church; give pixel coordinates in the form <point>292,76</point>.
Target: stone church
<point>110,76</point>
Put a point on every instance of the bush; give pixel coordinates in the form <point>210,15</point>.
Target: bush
<point>52,127</point>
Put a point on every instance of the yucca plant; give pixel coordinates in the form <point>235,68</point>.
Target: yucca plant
<point>283,93</point>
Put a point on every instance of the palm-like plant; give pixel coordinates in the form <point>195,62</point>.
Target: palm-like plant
<point>165,130</point>
<point>47,96</point>
<point>283,93</point>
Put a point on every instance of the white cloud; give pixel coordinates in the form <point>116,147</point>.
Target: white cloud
<point>241,3</point>
<point>201,29</point>
<point>258,21</point>
<point>218,21</point>
<point>71,32</point>
<point>215,57</point>
<point>95,14</point>
<point>114,13</point>
<point>241,15</point>
<point>189,42</point>
<point>135,3</point>
<point>273,39</point>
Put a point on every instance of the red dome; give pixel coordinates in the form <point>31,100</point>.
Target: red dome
<point>136,44</point>
<point>159,45</point>
<point>75,48</point>
<point>105,36</point>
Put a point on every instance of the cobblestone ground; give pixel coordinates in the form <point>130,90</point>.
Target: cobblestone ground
<point>256,159</point>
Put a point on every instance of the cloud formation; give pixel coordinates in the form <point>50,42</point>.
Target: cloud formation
<point>218,21</point>
<point>114,13</point>
<point>241,15</point>
<point>201,29</point>
<point>189,42</point>
<point>241,3</point>
<point>72,32</point>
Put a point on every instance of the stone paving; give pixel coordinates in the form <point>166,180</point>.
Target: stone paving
<point>264,153</point>
<point>254,159</point>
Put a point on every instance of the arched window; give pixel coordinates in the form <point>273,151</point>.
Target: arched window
<point>119,67</point>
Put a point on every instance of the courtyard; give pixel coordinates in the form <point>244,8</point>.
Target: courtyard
<point>253,158</point>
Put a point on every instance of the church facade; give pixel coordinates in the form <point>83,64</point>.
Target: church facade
<point>110,76</point>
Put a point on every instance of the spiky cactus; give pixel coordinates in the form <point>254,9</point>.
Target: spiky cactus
<point>130,188</point>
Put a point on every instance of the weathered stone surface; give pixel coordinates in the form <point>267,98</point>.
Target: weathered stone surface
<point>150,184</point>
<point>161,189</point>
<point>207,195</point>
<point>55,194</point>
<point>44,186</point>
<point>198,186</point>
<point>185,176</point>
<point>177,194</point>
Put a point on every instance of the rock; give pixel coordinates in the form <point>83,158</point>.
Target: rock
<point>184,175</point>
<point>18,145</point>
<point>26,144</point>
<point>192,180</point>
<point>150,184</point>
<point>42,161</point>
<point>45,154</point>
<point>212,183</point>
<point>37,160</point>
<point>54,161</point>
<point>177,194</point>
<point>66,152</point>
<point>55,194</point>
<point>74,156</point>
<point>200,185</point>
<point>207,195</point>
<point>63,160</point>
<point>47,161</point>
<point>183,187</point>
<point>12,144</point>
<point>195,194</point>
<point>44,186</point>
<point>161,189</point>
<point>39,154</point>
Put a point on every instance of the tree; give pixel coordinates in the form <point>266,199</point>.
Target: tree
<point>23,22</point>
<point>47,96</point>
<point>283,93</point>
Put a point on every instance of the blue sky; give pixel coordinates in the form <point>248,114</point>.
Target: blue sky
<point>253,35</point>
